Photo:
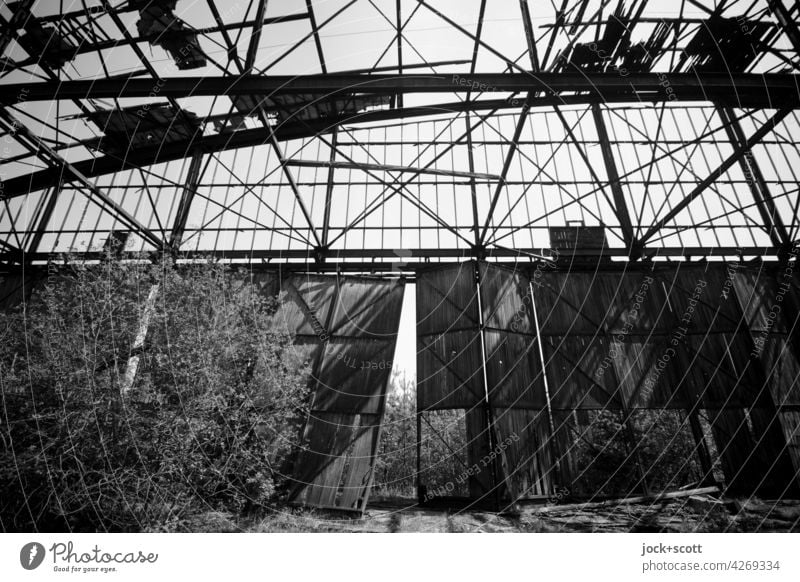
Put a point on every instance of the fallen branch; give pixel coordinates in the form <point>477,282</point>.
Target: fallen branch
<point>631,500</point>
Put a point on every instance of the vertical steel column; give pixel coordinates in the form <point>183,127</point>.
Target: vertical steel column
<point>472,186</point>
<point>489,412</point>
<point>399,96</point>
<point>552,441</point>
<point>420,493</point>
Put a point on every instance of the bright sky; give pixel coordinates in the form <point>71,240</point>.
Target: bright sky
<point>405,354</point>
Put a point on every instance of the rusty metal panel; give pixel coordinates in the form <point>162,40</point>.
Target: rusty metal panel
<point>597,333</point>
<point>759,290</point>
<point>565,424</point>
<point>572,303</point>
<point>753,450</point>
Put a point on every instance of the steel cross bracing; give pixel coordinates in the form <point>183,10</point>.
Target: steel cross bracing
<point>673,131</point>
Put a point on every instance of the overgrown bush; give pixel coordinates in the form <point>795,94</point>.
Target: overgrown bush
<point>396,463</point>
<point>212,411</point>
<point>443,449</point>
<point>606,459</point>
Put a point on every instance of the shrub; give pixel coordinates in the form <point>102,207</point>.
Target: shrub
<point>212,412</point>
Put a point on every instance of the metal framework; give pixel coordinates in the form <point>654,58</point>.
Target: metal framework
<point>251,132</point>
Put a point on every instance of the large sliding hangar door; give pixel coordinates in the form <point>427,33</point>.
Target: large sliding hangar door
<point>346,328</point>
<point>535,360</point>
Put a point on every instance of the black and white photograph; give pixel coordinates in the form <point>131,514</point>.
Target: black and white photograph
<point>521,267</point>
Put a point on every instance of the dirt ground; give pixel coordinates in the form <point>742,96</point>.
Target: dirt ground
<point>690,514</point>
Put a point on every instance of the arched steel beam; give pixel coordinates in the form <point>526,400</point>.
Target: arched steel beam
<point>765,90</point>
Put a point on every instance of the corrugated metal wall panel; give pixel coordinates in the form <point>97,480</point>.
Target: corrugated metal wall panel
<point>770,300</point>
<point>686,341</point>
<point>639,362</point>
<point>364,307</point>
<point>790,423</point>
<point>513,370</point>
<point>771,460</point>
<point>775,337</point>
<point>783,365</point>
<point>478,448</point>
<point>308,300</point>
<point>449,371</point>
<point>318,470</point>
<point>446,299</point>
<point>352,375</point>
<point>358,475</point>
<point>449,374</point>
<point>656,365</point>
<point>14,289</point>
<point>573,373</point>
<point>716,369</point>
<point>736,446</point>
<point>528,464</point>
<point>513,366</point>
